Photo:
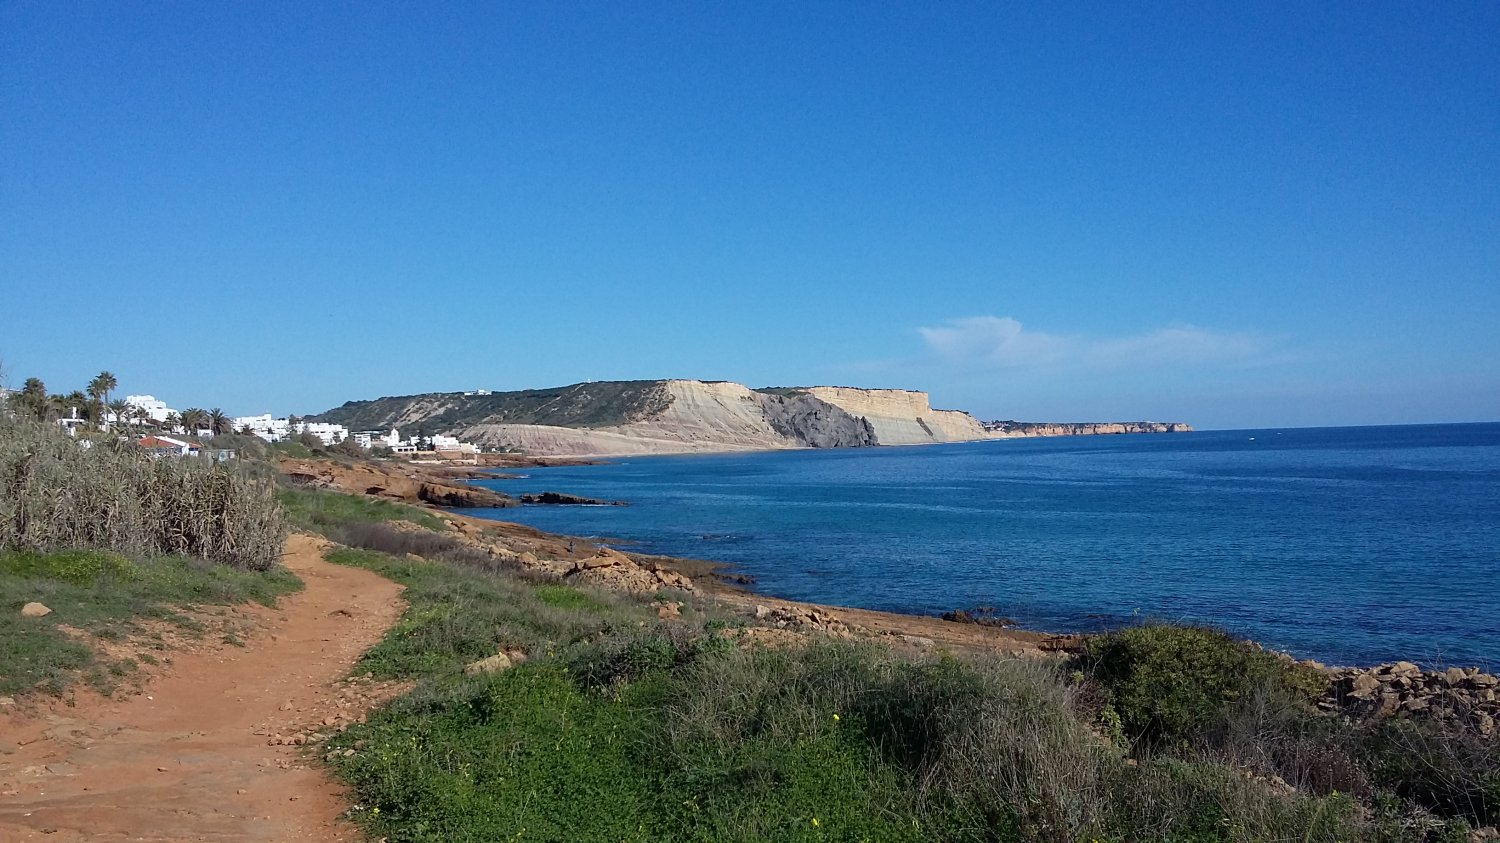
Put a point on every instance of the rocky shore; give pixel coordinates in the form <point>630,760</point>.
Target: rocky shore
<point>1460,697</point>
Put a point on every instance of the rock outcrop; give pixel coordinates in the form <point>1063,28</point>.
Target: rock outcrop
<point>1456,696</point>
<point>815,422</point>
<point>394,481</point>
<point>564,499</point>
<point>612,569</point>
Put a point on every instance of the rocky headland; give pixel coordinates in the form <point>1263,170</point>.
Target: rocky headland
<point>621,418</point>
<point>392,481</point>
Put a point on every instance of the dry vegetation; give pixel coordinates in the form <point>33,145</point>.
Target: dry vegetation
<point>61,493</point>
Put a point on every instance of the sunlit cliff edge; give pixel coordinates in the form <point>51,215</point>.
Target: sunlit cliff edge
<point>612,418</point>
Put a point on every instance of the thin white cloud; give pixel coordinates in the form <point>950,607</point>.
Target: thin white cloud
<point>1000,342</point>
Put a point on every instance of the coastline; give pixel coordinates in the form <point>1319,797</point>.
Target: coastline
<point>1462,698</point>
<point>917,631</point>
<point>714,581</point>
<point>1465,698</point>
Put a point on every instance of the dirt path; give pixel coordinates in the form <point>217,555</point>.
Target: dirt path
<point>188,759</point>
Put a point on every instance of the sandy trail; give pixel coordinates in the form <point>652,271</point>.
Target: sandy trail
<point>188,758</point>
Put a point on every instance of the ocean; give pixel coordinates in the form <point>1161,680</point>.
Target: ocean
<point>1350,545</point>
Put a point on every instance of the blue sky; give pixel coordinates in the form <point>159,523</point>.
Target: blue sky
<point>1229,214</point>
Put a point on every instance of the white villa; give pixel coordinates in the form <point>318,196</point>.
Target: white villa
<point>274,429</point>
<point>155,409</point>
<point>393,440</point>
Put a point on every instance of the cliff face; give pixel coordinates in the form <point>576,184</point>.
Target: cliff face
<point>687,416</point>
<point>1015,429</point>
<point>693,416</point>
<point>815,422</point>
<point>900,416</point>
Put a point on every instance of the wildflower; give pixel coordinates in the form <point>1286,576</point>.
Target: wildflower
<point>835,717</point>
<point>815,822</point>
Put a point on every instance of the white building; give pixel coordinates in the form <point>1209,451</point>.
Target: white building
<point>328,434</point>
<point>156,410</point>
<point>451,443</point>
<point>264,426</point>
<point>274,429</point>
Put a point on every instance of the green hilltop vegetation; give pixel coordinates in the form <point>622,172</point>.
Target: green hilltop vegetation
<point>594,404</point>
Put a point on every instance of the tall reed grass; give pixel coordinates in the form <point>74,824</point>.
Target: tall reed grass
<point>61,493</point>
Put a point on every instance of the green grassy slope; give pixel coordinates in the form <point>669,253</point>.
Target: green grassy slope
<point>598,404</point>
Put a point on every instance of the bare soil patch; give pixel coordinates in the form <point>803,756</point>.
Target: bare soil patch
<point>190,755</point>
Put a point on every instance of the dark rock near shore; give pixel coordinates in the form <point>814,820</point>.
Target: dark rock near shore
<point>463,497</point>
<point>983,616</point>
<point>563,499</point>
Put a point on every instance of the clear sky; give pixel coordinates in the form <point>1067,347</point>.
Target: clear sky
<point>1232,214</point>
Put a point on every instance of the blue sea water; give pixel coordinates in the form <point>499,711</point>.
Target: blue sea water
<point>1349,545</point>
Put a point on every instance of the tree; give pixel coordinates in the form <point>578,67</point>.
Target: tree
<point>173,421</point>
<point>219,423</point>
<point>98,397</point>
<point>121,411</point>
<point>84,406</point>
<point>194,419</point>
<point>102,385</point>
<point>33,399</point>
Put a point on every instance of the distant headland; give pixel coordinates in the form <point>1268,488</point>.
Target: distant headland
<point>616,418</point>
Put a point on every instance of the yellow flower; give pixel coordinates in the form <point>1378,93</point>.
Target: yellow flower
<point>835,718</point>
<point>815,822</point>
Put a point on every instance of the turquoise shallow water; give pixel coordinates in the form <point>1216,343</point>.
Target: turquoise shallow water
<point>1350,545</point>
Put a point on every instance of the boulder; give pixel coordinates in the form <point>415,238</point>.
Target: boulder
<point>35,610</point>
<point>493,664</point>
<point>598,561</point>
<point>1405,669</point>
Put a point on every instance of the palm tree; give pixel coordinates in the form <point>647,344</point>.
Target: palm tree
<point>194,419</point>
<point>219,423</point>
<point>173,421</point>
<point>139,417</point>
<point>34,398</point>
<point>120,409</point>
<point>102,385</point>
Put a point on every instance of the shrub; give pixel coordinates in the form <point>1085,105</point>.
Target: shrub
<point>1174,685</point>
<point>60,493</point>
<point>1451,772</point>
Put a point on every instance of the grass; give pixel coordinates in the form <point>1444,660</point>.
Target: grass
<point>320,511</point>
<point>621,727</point>
<point>458,615</point>
<point>105,595</point>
